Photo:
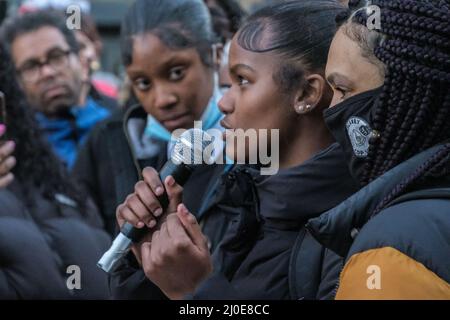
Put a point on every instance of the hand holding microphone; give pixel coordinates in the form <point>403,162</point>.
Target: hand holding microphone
<point>150,200</point>
<point>142,208</point>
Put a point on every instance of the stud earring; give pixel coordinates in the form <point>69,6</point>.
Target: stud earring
<point>300,108</point>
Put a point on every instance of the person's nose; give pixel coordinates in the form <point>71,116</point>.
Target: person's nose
<point>226,103</point>
<point>163,98</point>
<point>47,71</point>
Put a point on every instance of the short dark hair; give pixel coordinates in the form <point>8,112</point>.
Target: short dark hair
<point>19,25</point>
<point>300,32</point>
<point>179,24</point>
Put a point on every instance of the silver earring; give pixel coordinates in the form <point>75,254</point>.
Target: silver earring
<point>300,108</point>
<point>308,107</point>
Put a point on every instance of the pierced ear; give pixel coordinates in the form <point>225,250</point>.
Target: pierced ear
<point>310,97</point>
<point>303,108</point>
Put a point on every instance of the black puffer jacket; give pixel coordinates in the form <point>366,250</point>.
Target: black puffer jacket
<point>256,259</point>
<point>111,164</point>
<point>406,246</point>
<point>266,252</point>
<point>39,241</point>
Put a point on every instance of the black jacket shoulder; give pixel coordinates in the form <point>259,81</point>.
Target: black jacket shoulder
<point>42,245</point>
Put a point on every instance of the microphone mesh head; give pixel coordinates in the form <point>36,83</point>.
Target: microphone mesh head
<point>190,146</point>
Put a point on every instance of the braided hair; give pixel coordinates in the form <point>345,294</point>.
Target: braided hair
<point>412,114</point>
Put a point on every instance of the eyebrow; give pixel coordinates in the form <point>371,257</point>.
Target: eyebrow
<point>335,77</point>
<point>162,68</point>
<point>173,60</point>
<point>234,69</point>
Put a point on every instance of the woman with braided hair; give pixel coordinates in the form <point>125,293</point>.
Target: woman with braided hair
<point>46,224</point>
<point>390,113</point>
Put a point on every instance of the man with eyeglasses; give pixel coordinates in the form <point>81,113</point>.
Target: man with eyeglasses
<point>45,54</point>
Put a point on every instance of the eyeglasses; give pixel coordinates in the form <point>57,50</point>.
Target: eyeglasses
<point>57,60</point>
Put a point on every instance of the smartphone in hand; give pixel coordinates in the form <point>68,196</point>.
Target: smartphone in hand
<point>2,115</point>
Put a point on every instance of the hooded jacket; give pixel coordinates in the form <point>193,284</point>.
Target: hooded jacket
<point>267,253</point>
<point>403,252</point>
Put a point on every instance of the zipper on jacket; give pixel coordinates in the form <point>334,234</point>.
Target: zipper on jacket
<point>354,234</point>
<point>338,282</point>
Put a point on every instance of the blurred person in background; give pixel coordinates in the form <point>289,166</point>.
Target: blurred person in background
<point>98,85</point>
<point>226,16</point>
<point>46,59</point>
<point>168,48</point>
<point>47,225</point>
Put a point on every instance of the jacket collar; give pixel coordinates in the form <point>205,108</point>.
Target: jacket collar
<point>337,228</point>
<point>135,111</point>
<point>308,190</point>
<point>132,124</point>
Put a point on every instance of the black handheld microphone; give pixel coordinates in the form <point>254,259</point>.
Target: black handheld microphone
<point>187,154</point>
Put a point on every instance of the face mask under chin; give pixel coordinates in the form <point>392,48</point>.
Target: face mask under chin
<point>350,122</point>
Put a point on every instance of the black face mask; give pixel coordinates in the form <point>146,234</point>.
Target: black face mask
<point>350,122</point>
